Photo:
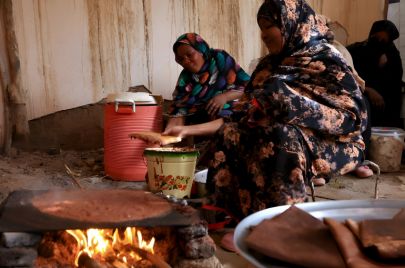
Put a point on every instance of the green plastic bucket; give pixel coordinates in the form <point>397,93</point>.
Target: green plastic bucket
<point>171,170</point>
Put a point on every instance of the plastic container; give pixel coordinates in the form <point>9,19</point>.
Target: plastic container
<point>171,170</point>
<point>126,113</point>
<point>386,148</point>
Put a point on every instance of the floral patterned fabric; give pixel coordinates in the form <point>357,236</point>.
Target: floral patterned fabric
<point>219,74</point>
<point>301,117</point>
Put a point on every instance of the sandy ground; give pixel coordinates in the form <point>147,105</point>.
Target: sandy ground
<point>71,169</point>
<point>66,169</point>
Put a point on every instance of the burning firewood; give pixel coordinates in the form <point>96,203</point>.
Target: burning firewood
<point>154,259</point>
<point>85,261</point>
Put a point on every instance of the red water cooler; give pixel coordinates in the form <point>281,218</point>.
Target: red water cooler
<point>124,114</point>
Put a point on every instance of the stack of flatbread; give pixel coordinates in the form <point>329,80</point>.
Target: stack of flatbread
<point>296,238</point>
<point>154,138</point>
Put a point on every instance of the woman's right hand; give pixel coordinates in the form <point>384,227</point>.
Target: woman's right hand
<point>177,131</point>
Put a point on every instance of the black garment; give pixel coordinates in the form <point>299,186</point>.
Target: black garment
<point>386,80</point>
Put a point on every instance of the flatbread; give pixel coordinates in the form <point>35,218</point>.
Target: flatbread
<point>293,237</point>
<point>106,205</point>
<point>154,137</point>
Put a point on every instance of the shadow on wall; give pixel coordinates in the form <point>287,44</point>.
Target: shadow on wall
<point>79,128</point>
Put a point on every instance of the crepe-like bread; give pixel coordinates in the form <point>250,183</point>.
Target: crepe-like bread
<point>154,137</point>
<point>351,250</point>
<point>104,205</point>
<point>387,237</point>
<point>298,238</point>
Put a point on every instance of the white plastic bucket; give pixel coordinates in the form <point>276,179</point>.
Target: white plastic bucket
<point>171,170</point>
<point>386,146</point>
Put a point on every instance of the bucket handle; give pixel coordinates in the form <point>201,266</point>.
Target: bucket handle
<point>122,101</point>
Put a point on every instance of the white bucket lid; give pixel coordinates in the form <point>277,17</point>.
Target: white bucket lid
<point>388,132</point>
<point>138,97</point>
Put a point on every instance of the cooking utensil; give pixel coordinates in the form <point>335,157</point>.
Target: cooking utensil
<point>18,214</point>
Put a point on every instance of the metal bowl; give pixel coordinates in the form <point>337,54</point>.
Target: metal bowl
<point>357,210</point>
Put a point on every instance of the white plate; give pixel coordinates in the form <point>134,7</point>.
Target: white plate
<point>339,210</point>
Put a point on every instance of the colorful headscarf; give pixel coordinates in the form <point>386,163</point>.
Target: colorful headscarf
<point>308,65</point>
<point>220,73</point>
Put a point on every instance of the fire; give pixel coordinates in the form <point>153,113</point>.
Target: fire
<point>106,245</point>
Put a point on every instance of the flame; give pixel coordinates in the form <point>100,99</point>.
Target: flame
<point>107,244</point>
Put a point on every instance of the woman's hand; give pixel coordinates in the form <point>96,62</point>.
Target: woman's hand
<point>216,104</point>
<point>177,131</point>
<point>375,98</point>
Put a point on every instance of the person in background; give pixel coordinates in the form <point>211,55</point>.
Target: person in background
<point>207,89</point>
<point>378,62</point>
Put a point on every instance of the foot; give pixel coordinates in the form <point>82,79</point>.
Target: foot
<point>319,181</point>
<point>363,172</point>
<point>227,242</point>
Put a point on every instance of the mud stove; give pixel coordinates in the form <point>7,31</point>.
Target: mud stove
<point>102,228</point>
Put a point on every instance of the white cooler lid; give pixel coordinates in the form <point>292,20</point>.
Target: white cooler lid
<point>137,97</point>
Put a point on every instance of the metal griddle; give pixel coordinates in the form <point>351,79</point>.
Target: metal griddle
<point>17,214</point>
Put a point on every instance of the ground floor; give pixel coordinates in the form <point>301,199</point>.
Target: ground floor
<point>70,169</point>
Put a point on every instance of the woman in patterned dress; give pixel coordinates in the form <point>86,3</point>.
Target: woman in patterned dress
<point>301,117</point>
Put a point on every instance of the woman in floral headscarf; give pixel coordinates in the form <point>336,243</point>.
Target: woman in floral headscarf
<point>301,117</point>
<point>207,88</point>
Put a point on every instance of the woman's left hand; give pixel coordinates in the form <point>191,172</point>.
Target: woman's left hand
<point>216,104</point>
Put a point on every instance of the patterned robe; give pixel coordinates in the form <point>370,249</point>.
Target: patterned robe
<point>301,117</point>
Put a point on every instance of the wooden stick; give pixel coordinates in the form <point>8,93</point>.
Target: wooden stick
<point>154,259</point>
<point>73,176</point>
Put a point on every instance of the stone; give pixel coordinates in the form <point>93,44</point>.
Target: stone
<point>198,229</point>
<point>202,247</point>
<point>12,257</point>
<point>212,262</point>
<point>16,239</point>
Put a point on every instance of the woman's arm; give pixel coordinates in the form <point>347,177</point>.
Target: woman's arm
<point>175,121</point>
<point>204,129</point>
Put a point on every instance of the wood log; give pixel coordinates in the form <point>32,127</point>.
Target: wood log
<point>5,143</point>
<point>85,261</point>
<point>154,259</point>
<point>16,97</point>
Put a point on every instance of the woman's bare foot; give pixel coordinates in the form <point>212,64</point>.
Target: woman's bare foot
<point>319,181</point>
<point>227,242</point>
<point>363,171</point>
